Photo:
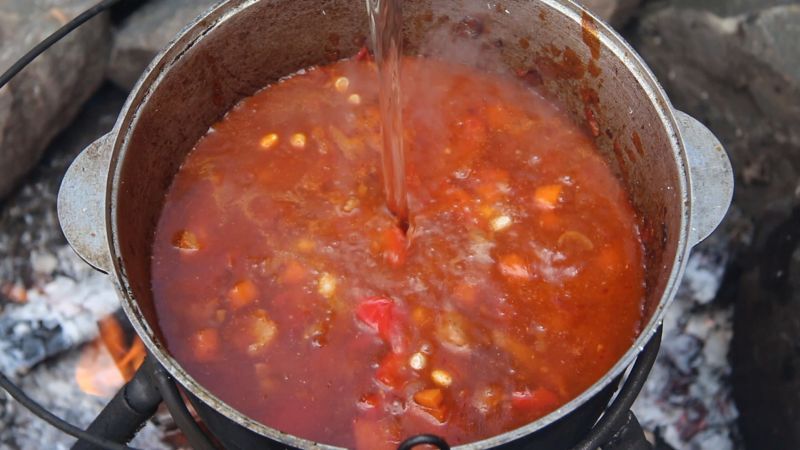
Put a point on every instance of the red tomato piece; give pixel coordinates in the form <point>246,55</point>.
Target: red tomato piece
<point>377,313</point>
<point>363,54</point>
<point>541,400</point>
<point>380,315</point>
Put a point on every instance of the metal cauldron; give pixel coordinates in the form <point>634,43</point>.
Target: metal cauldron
<point>677,173</point>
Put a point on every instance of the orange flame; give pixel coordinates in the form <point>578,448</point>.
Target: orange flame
<point>108,363</point>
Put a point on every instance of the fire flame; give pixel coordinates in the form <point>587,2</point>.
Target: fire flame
<point>109,362</point>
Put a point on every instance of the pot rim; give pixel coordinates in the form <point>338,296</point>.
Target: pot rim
<point>220,13</point>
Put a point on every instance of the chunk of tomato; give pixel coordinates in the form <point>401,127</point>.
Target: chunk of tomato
<point>377,313</point>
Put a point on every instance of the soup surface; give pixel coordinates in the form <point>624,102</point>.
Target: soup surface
<point>284,285</point>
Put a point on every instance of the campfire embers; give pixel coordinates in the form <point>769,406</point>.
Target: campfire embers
<point>55,317</point>
<point>109,361</point>
<point>66,343</point>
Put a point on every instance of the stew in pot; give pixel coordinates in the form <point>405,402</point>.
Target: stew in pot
<point>284,285</point>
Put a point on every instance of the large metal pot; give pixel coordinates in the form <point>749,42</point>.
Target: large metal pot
<point>676,171</point>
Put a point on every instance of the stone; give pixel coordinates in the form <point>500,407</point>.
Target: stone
<point>766,343</point>
<point>727,8</point>
<point>740,75</point>
<point>145,32</point>
<point>44,98</point>
<point>615,12</point>
<point>28,218</point>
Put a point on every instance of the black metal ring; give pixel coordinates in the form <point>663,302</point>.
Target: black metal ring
<point>423,439</point>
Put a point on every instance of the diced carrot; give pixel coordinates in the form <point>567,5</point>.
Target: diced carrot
<point>242,294</point>
<point>465,293</point>
<point>513,266</point>
<point>389,371</point>
<point>429,398</point>
<point>438,412</point>
<point>293,273</point>
<point>540,400</point>
<point>220,315</point>
<point>393,244</point>
<point>547,196</point>
<point>186,240</point>
<point>205,345</point>
<point>421,316</point>
<point>305,245</point>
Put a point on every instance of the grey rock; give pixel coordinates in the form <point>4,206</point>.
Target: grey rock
<point>740,75</point>
<point>28,218</point>
<point>45,97</point>
<point>145,32</point>
<point>727,8</point>
<point>615,12</point>
<point>766,343</point>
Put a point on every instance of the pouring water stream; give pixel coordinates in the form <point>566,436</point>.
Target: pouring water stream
<point>385,22</point>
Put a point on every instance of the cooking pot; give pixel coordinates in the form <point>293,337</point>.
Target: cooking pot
<point>676,172</point>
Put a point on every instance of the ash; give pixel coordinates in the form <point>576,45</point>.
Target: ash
<point>50,300</point>
<point>53,385</point>
<point>687,400</point>
<point>56,316</point>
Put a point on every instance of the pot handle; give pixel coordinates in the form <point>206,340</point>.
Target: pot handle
<point>81,204</point>
<point>710,177</point>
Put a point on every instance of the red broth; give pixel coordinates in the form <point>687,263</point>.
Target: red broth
<point>284,286</point>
